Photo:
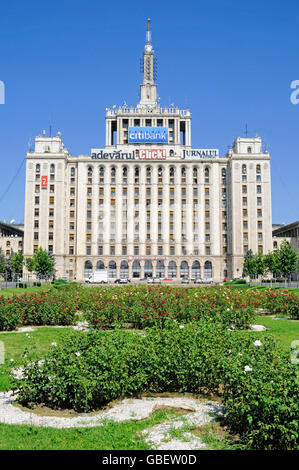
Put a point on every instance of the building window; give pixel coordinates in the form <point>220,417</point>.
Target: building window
<point>195,174</point>
<point>148,175</point>
<point>36,200</point>
<point>113,175</point>
<point>160,174</point>
<point>207,176</point>
<point>171,175</point>
<point>101,174</point>
<point>136,175</point>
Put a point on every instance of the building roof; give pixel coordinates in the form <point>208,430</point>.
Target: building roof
<point>280,231</point>
<point>11,230</point>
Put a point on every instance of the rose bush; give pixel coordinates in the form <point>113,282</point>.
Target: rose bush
<point>47,308</point>
<point>144,306</point>
<point>258,385</point>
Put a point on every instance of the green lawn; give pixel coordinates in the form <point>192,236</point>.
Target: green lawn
<point>111,435</point>
<point>37,341</point>
<point>285,331</point>
<point>13,290</point>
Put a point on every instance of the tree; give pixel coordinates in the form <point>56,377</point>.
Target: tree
<point>2,263</point>
<point>286,259</point>
<point>29,263</point>
<point>249,267</point>
<point>17,261</point>
<point>260,264</point>
<point>43,263</point>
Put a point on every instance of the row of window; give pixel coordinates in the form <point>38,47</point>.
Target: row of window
<point>184,270</point>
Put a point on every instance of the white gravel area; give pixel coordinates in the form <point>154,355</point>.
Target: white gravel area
<point>81,326</point>
<point>159,436</point>
<point>258,328</point>
<point>21,329</point>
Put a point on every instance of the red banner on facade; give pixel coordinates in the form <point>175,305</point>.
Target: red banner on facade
<point>44,181</point>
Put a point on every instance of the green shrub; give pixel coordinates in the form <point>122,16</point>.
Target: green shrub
<point>88,370</point>
<point>261,396</point>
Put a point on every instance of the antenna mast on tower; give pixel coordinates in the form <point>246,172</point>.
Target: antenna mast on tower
<point>148,33</point>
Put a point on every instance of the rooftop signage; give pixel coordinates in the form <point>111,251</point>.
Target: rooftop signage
<point>151,154</point>
<point>128,154</point>
<point>199,154</point>
<point>148,135</point>
<point>102,154</point>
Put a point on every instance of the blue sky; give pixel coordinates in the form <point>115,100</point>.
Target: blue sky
<point>231,61</point>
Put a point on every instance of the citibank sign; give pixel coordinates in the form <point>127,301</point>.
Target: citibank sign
<point>199,154</point>
<point>148,135</point>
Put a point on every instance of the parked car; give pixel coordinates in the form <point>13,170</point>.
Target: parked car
<point>150,280</point>
<point>185,280</point>
<point>198,280</point>
<point>208,280</point>
<point>156,280</point>
<point>122,280</point>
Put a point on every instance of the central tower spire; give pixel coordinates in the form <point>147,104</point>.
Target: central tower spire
<point>148,89</point>
<point>148,33</point>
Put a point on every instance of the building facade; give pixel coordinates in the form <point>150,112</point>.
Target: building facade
<point>148,204</point>
<point>290,233</point>
<point>11,238</point>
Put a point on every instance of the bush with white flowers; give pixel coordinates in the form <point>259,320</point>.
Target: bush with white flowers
<point>258,385</point>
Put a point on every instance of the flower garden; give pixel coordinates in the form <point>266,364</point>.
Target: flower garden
<point>163,339</point>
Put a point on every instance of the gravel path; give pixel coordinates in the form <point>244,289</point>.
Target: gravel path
<point>159,437</point>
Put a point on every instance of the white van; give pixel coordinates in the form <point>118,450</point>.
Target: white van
<point>98,276</point>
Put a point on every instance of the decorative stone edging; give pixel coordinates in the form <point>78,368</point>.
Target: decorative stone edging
<point>159,437</point>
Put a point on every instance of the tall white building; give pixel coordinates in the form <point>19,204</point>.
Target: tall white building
<point>148,203</point>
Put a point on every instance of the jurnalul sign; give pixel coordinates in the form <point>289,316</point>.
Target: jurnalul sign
<point>199,154</point>
<point>148,135</point>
